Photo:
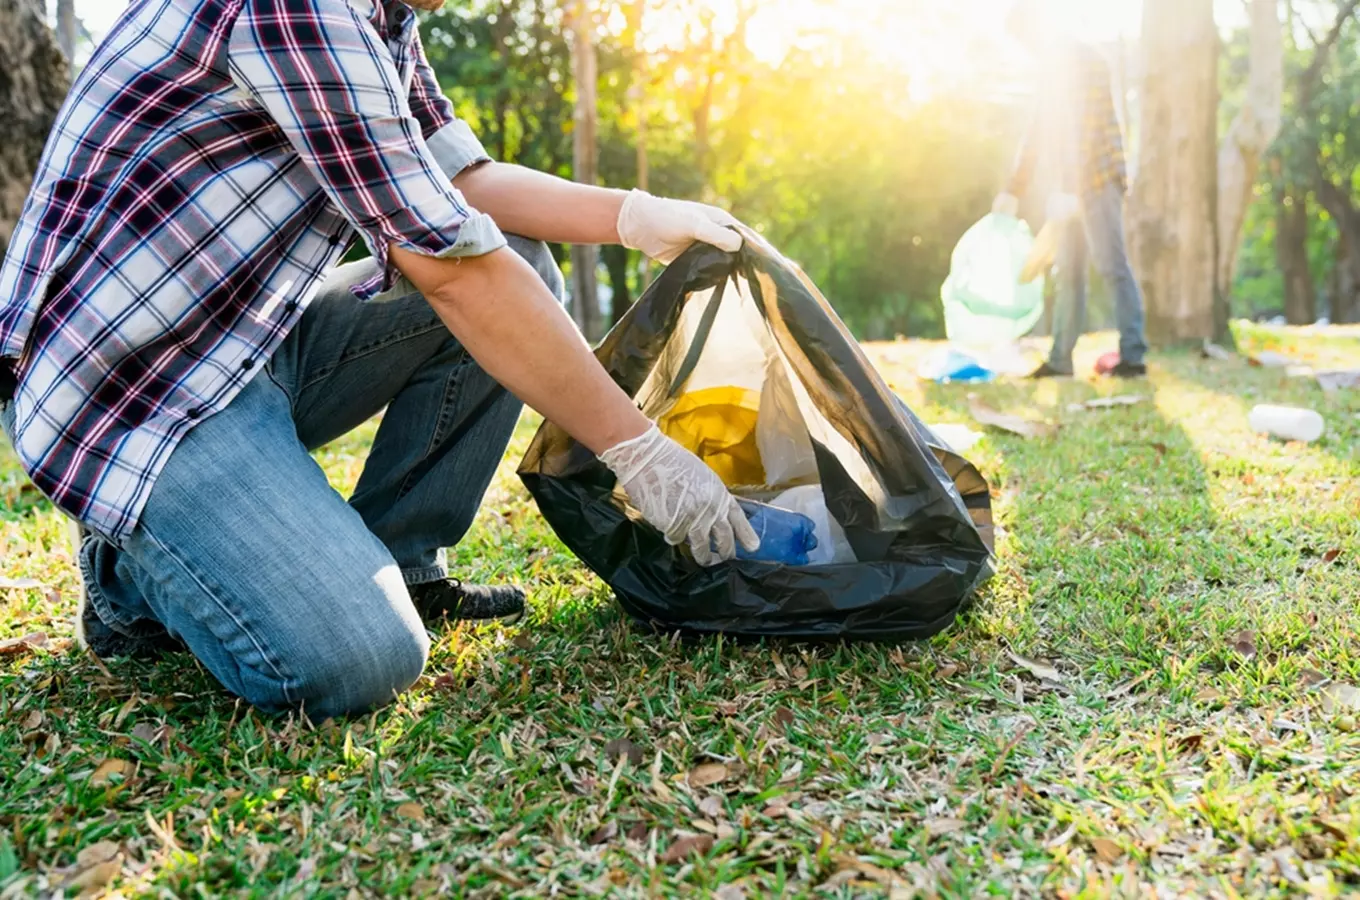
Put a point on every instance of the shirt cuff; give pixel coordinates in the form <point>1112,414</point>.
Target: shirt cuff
<point>456,148</point>
<point>477,236</point>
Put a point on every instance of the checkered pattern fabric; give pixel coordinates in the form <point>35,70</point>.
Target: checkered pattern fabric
<point>213,161</point>
<point>1100,161</point>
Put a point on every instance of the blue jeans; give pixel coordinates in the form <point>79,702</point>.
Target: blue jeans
<point>292,597</point>
<point>1098,236</point>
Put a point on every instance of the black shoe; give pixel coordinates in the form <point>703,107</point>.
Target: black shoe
<point>103,640</point>
<point>1047,371</point>
<point>106,643</point>
<point>451,599</point>
<point>1129,370</point>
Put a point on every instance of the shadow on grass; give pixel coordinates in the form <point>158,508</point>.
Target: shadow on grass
<point>1109,523</point>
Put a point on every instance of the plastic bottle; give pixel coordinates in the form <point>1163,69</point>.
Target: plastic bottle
<point>785,537</point>
<point>1287,422</point>
<point>833,547</point>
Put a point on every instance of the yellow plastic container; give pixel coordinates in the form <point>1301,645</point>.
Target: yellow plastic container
<point>718,425</point>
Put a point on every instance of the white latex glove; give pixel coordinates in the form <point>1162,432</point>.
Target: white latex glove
<point>1063,207</point>
<point>1006,205</point>
<point>681,497</point>
<point>663,229</point>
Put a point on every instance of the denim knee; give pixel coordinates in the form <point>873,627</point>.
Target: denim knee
<point>537,254</point>
<point>375,658</point>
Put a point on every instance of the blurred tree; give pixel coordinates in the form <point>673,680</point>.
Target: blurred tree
<point>1173,237</point>
<point>1327,103</point>
<point>67,29</point>
<point>33,83</point>
<point>585,295</point>
<point>854,167</point>
<point>1251,133</point>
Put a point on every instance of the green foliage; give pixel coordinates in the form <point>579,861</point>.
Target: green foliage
<point>1320,139</point>
<point>836,162</point>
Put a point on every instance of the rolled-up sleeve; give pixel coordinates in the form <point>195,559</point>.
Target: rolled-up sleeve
<point>449,138</point>
<point>323,75</point>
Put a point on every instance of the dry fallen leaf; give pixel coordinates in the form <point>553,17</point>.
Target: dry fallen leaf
<point>1333,381</point>
<point>1270,359</point>
<point>843,878</point>
<point>1127,687</point>
<point>783,716</point>
<point>1311,677</point>
<point>107,769</point>
<point>937,827</point>
<point>876,874</point>
<point>413,811</point>
<point>33,721</point>
<point>29,642</point>
<point>1026,428</point>
<point>1340,698</point>
<point>97,853</point>
<point>96,866</point>
<point>1107,850</point>
<point>1331,555</point>
<point>638,831</point>
<point>624,747</point>
<point>95,878</point>
<point>684,847</point>
<point>1335,829</point>
<point>21,584</point>
<point>1245,644</point>
<point>605,833</point>
<point>711,806</point>
<point>1211,350</point>
<point>709,773</point>
<point>1039,670</point>
<point>1111,402</point>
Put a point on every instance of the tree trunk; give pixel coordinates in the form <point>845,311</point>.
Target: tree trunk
<point>1291,252</point>
<point>1345,297</point>
<point>1252,131</point>
<point>33,82</point>
<point>616,263</point>
<point>1339,206</point>
<point>636,13</point>
<point>1173,238</point>
<point>585,294</point>
<point>66,31</point>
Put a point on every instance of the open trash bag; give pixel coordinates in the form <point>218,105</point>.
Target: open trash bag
<point>986,298</point>
<point>738,358</point>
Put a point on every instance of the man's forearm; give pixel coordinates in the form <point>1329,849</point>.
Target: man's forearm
<point>541,206</point>
<point>499,309</point>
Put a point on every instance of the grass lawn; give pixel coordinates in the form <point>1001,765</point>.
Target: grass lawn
<point>1155,696</point>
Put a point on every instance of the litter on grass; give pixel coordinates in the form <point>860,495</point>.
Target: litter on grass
<point>992,418</point>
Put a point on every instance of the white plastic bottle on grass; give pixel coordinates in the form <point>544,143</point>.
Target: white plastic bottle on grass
<point>1287,422</point>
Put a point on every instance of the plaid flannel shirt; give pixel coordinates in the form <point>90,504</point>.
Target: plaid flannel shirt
<point>1092,159</point>
<point>213,161</point>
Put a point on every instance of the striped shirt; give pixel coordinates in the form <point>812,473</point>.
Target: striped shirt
<point>213,161</point>
<point>1092,159</point>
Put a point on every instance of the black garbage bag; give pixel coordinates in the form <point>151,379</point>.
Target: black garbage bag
<point>738,357</point>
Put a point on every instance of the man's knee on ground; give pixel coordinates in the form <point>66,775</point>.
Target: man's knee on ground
<point>364,661</point>
<point>537,254</point>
